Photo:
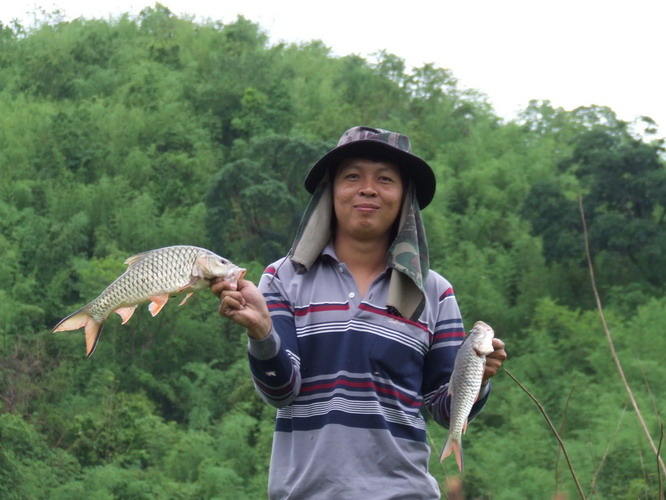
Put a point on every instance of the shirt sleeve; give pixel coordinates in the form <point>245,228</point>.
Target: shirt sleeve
<point>274,361</point>
<point>448,336</point>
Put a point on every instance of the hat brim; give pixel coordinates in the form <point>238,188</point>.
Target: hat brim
<point>414,167</point>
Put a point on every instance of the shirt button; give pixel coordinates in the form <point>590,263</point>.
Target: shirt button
<point>352,295</point>
<point>341,269</point>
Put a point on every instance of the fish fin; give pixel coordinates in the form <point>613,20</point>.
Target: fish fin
<point>157,302</point>
<point>125,312</point>
<point>199,264</point>
<point>190,284</point>
<point>134,258</point>
<point>93,331</point>
<point>74,321</point>
<point>465,426</point>
<point>458,452</point>
<point>454,445</point>
<point>446,449</point>
<point>185,299</point>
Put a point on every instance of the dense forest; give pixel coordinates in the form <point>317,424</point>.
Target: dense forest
<point>122,135</point>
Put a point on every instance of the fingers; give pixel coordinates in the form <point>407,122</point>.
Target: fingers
<point>499,352</point>
<point>498,343</point>
<point>493,366</point>
<point>494,360</point>
<point>231,301</point>
<point>218,285</point>
<point>234,299</point>
<point>243,307</point>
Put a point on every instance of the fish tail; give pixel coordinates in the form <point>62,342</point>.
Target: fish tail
<point>446,449</point>
<point>93,331</point>
<point>82,319</point>
<point>455,445</point>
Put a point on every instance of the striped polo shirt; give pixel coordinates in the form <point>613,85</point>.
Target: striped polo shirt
<point>350,379</point>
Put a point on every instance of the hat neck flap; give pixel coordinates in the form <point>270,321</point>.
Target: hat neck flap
<point>408,254</point>
<point>314,231</point>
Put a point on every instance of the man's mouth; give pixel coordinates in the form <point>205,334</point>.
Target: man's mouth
<point>366,207</point>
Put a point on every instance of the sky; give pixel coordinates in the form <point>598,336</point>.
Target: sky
<point>569,52</point>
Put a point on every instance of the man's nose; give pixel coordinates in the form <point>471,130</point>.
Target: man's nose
<point>368,188</point>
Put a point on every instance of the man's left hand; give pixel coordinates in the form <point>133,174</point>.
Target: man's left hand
<point>494,360</point>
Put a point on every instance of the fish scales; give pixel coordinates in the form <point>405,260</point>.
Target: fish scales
<point>151,276</point>
<point>465,384</point>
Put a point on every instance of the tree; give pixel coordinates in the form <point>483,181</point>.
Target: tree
<point>623,183</point>
<point>254,204</point>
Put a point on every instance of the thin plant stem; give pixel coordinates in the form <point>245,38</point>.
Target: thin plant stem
<point>609,338</point>
<point>553,430</point>
<point>564,418</point>
<point>661,485</point>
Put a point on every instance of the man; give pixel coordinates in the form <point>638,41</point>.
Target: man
<point>351,333</point>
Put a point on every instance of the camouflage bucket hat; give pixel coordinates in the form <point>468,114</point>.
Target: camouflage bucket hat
<point>381,144</point>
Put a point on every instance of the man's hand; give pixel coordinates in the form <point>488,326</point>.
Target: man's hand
<point>494,360</point>
<point>244,304</point>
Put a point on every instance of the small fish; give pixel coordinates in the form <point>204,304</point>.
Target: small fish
<point>150,276</point>
<point>465,384</point>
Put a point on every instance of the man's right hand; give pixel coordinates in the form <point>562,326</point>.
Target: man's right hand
<point>244,304</point>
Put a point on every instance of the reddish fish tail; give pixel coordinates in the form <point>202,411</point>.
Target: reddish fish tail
<point>82,319</point>
<point>454,445</point>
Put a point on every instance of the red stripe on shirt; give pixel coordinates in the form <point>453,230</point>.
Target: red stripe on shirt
<point>383,312</point>
<point>361,385</point>
<point>321,307</point>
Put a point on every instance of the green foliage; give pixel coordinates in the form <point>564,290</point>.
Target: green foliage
<point>122,135</point>
<point>255,203</point>
<point>622,182</point>
<point>28,467</point>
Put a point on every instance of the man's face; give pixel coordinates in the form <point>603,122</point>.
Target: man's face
<point>367,197</point>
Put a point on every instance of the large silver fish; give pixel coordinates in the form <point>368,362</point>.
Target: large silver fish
<point>465,384</point>
<point>151,276</point>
